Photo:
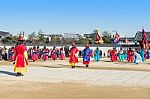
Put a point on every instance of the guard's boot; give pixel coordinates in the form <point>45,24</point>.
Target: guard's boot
<point>87,66</point>
<point>73,66</point>
<point>18,74</point>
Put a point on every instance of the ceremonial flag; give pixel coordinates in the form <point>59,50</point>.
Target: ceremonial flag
<point>21,36</point>
<point>23,33</point>
<point>98,38</point>
<point>145,43</point>
<point>117,38</point>
<point>144,34</point>
<point>127,41</point>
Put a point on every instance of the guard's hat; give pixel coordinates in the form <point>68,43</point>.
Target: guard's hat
<point>20,38</point>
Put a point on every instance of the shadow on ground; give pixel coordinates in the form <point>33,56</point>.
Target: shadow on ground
<point>7,73</point>
<point>61,66</point>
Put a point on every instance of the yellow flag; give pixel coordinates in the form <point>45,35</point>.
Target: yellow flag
<point>99,39</point>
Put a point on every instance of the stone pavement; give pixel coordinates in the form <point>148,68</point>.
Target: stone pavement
<point>88,76</point>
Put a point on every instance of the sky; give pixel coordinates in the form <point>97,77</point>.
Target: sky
<point>74,16</point>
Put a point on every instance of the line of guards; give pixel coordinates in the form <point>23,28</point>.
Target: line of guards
<point>19,55</point>
<point>36,53</point>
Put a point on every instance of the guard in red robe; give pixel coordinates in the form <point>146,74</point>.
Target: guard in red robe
<point>73,55</point>
<point>113,55</point>
<point>62,54</point>
<point>53,53</point>
<point>130,54</point>
<point>12,54</point>
<point>34,54</point>
<point>20,64</point>
<point>45,54</point>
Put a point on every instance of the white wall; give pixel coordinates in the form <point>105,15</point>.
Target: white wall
<point>103,49</point>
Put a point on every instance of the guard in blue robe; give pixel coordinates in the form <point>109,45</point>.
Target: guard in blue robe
<point>148,53</point>
<point>97,54</point>
<point>86,55</point>
<point>141,52</point>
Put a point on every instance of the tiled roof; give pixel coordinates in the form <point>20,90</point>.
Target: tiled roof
<point>138,36</point>
<point>128,38</point>
<point>4,33</point>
